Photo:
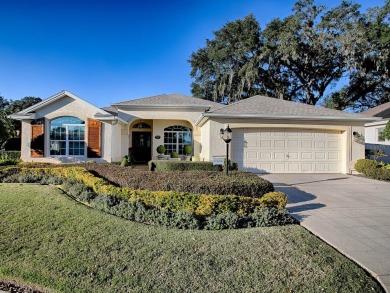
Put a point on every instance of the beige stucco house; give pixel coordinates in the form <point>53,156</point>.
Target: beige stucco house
<point>269,135</point>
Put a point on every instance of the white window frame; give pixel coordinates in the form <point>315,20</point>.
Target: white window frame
<point>67,140</point>
<point>177,129</point>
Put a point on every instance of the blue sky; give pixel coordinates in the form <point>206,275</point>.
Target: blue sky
<point>111,51</point>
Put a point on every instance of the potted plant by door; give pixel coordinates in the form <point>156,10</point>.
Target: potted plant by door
<point>187,152</point>
<point>161,150</point>
<point>175,156</point>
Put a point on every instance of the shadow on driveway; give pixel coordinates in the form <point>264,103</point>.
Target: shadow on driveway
<point>296,200</point>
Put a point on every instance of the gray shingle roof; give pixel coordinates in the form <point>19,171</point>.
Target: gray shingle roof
<point>379,111</point>
<point>261,105</point>
<point>170,99</point>
<point>110,110</point>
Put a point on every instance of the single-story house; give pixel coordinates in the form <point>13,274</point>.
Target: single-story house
<point>374,130</point>
<point>269,134</point>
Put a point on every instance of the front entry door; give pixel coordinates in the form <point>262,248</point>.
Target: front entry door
<point>142,146</point>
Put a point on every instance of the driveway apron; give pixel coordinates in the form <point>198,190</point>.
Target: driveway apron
<point>350,213</point>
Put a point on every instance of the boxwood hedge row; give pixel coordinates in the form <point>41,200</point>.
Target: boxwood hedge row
<point>138,211</point>
<point>203,182</point>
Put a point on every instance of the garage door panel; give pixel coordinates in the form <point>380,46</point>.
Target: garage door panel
<point>279,167</point>
<point>307,167</point>
<point>319,167</point>
<point>265,143</point>
<point>306,144</point>
<point>292,143</point>
<point>295,151</point>
<point>279,143</point>
<point>279,155</point>
<point>333,144</point>
<point>266,155</point>
<point>307,156</point>
<point>320,156</point>
<point>319,144</point>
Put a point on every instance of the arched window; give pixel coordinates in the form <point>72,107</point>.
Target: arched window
<point>176,137</point>
<point>141,125</point>
<point>67,136</point>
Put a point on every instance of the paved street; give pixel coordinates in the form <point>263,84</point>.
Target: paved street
<point>349,212</point>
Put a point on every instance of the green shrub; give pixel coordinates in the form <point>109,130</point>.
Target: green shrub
<point>8,162</point>
<point>125,161</point>
<point>274,199</point>
<point>203,182</point>
<point>174,155</point>
<point>200,204</point>
<point>187,150</point>
<point>363,165</point>
<point>156,165</point>
<point>225,220</point>
<point>233,166</point>
<point>161,149</point>
<point>378,173</point>
<point>9,155</point>
<point>267,217</point>
<point>373,169</point>
<point>141,211</point>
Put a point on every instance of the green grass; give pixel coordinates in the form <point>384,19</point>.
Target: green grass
<point>50,240</point>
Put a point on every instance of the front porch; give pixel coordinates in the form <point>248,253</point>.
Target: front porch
<point>145,135</point>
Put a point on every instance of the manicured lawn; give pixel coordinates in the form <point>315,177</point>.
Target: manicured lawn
<point>50,240</point>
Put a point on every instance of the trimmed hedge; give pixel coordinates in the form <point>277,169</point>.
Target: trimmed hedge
<point>205,182</point>
<point>373,169</point>
<point>363,165</point>
<point>8,158</point>
<point>199,204</point>
<point>166,165</point>
<point>9,155</point>
<point>140,212</point>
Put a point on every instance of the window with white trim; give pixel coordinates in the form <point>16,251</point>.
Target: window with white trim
<point>380,134</point>
<point>67,136</point>
<point>176,137</point>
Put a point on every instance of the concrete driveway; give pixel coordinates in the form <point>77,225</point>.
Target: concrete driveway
<point>350,213</point>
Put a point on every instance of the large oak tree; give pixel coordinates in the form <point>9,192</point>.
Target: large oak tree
<point>302,56</point>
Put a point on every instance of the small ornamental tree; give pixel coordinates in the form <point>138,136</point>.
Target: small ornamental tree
<point>161,149</point>
<point>188,150</point>
<point>386,131</point>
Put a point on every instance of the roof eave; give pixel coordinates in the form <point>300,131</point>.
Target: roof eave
<point>158,107</point>
<point>19,116</point>
<point>55,98</point>
<point>224,115</point>
<point>109,118</point>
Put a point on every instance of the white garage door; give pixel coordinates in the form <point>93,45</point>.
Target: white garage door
<point>287,150</point>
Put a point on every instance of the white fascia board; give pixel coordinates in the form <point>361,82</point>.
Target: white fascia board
<point>160,107</point>
<point>109,118</point>
<point>381,122</point>
<point>201,120</point>
<point>30,116</point>
<point>290,117</point>
<point>56,97</point>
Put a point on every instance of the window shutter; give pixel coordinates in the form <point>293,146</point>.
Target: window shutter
<point>37,140</point>
<point>94,138</point>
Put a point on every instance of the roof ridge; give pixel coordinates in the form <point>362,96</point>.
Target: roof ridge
<point>238,102</point>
